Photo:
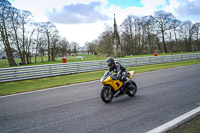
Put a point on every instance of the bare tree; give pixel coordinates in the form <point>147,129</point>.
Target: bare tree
<point>5,30</point>
<point>163,21</point>
<point>37,39</point>
<point>41,46</point>
<point>24,18</point>
<point>92,47</point>
<point>54,45</point>
<point>105,41</point>
<point>74,46</point>
<point>196,32</point>
<point>175,24</point>
<point>19,36</point>
<point>187,34</point>
<point>151,35</point>
<point>127,29</point>
<point>63,47</point>
<point>48,29</point>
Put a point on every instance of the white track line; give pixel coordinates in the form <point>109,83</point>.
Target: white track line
<point>176,122</point>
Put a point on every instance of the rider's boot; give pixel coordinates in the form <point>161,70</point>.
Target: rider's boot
<point>122,90</point>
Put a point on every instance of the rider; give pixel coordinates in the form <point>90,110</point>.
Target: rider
<point>119,70</point>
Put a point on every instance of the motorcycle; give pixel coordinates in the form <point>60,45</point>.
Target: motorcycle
<point>113,88</point>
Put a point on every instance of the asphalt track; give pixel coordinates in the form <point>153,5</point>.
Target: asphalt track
<point>162,96</point>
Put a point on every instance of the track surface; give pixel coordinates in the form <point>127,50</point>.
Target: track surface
<point>162,96</point>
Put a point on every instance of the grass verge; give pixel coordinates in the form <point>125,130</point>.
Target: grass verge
<point>42,83</point>
<point>191,126</point>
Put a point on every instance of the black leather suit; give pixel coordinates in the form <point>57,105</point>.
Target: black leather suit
<point>120,71</point>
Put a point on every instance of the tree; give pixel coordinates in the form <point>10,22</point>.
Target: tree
<point>37,39</point>
<point>74,47</point>
<point>151,36</point>
<point>186,29</point>
<point>20,32</point>
<point>15,24</point>
<point>30,41</point>
<point>163,21</point>
<point>175,23</point>
<point>91,47</point>
<point>24,18</point>
<point>128,37</point>
<point>54,45</point>
<point>196,31</point>
<point>41,46</point>
<point>5,30</point>
<point>63,47</point>
<point>48,29</point>
<point>105,45</point>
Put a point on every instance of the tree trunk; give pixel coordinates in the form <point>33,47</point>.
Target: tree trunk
<point>163,40</point>
<point>170,36</point>
<point>9,52</point>
<point>42,54</point>
<point>49,50</point>
<point>176,41</point>
<point>23,46</point>
<point>36,57</point>
<point>198,43</point>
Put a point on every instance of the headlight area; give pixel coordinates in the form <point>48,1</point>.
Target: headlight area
<point>102,79</point>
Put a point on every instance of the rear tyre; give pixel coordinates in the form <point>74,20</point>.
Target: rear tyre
<point>107,94</point>
<point>131,92</point>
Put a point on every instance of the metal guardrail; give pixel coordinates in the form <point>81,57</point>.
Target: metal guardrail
<point>38,71</point>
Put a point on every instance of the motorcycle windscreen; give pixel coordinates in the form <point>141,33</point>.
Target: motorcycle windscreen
<point>130,74</point>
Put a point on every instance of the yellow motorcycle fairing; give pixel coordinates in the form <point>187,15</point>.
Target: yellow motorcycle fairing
<point>116,84</point>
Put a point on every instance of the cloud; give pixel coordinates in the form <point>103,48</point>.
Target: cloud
<point>153,3</point>
<point>185,9</point>
<point>148,8</point>
<point>189,7</point>
<point>77,14</point>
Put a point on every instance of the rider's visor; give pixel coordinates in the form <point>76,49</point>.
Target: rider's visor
<point>109,64</point>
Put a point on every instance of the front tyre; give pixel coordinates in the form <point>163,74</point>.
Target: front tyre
<point>133,89</point>
<point>107,94</point>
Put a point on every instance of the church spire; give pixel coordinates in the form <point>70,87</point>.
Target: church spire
<point>114,21</point>
<point>115,25</point>
<point>116,41</point>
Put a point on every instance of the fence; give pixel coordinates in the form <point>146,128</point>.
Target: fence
<point>38,71</point>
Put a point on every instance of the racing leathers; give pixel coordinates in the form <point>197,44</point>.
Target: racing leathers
<point>120,71</point>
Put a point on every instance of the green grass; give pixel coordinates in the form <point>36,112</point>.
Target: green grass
<point>191,126</point>
<point>42,83</point>
<point>4,62</point>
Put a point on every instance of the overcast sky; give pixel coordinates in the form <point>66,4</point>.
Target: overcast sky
<point>84,20</point>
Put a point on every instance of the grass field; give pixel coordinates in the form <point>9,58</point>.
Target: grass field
<point>4,62</point>
<point>42,83</point>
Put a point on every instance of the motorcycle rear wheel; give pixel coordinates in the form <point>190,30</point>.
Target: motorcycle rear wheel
<point>107,94</point>
<point>133,91</point>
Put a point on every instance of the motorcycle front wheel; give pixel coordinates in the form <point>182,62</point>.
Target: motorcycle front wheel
<point>107,94</point>
<point>133,89</point>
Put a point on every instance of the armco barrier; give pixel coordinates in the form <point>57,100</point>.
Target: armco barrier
<point>38,71</point>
